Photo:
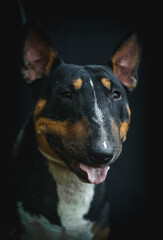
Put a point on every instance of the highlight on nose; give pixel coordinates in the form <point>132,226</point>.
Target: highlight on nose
<point>100,154</point>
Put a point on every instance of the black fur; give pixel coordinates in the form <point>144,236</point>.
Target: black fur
<point>77,125</point>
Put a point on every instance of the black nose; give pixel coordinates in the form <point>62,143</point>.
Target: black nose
<point>100,155</point>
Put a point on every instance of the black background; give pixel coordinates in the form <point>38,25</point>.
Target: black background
<point>86,33</point>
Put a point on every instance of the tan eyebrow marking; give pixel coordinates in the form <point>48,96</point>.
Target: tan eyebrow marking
<point>106,83</point>
<point>77,84</point>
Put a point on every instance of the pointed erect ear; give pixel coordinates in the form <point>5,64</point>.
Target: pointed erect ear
<point>125,60</point>
<point>38,53</point>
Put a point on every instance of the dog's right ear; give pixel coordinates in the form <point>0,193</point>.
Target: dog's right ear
<point>39,56</point>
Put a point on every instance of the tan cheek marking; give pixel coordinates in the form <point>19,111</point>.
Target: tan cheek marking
<point>123,128</point>
<point>129,111</point>
<point>39,106</point>
<point>44,146</point>
<point>46,125</point>
<point>62,129</point>
<point>114,127</point>
<point>40,128</point>
<point>75,141</point>
<point>106,83</point>
<point>77,84</point>
<point>67,132</point>
<point>79,129</point>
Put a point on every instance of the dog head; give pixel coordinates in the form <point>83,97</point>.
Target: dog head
<point>82,113</point>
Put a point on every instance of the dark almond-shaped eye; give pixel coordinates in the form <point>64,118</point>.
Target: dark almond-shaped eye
<point>66,94</point>
<point>116,94</point>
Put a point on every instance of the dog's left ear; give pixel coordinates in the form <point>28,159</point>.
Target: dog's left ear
<point>125,60</point>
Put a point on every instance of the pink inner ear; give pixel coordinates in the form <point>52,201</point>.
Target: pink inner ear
<point>38,57</point>
<point>126,77</point>
<point>125,63</point>
<point>35,61</point>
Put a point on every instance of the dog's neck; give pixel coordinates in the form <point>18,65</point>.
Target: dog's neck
<point>73,194</point>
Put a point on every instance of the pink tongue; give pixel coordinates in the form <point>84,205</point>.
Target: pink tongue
<point>95,175</point>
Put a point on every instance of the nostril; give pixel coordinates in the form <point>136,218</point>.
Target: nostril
<point>101,159</point>
<point>100,155</point>
<point>108,158</point>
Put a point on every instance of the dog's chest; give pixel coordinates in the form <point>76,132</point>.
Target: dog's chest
<point>74,202</point>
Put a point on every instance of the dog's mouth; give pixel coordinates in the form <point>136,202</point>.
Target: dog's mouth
<point>94,174</point>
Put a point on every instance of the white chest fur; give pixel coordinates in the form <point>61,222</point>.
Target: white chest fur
<point>75,198</point>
